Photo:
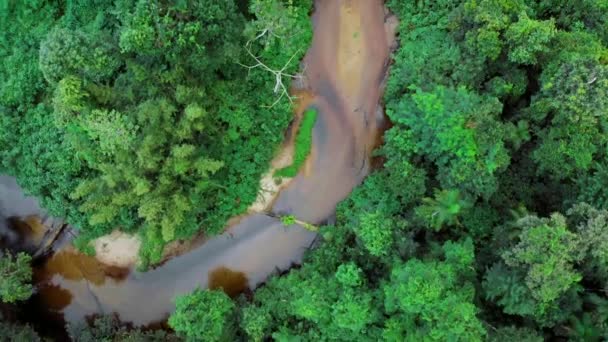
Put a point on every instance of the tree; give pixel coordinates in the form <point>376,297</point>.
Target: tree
<point>433,300</point>
<point>204,315</point>
<point>23,26</point>
<point>154,106</point>
<point>108,328</point>
<point>16,277</point>
<point>457,130</point>
<point>573,98</point>
<point>158,82</point>
<point>67,52</point>
<point>529,38</point>
<point>515,334</point>
<point>548,251</point>
<point>592,228</point>
<point>579,15</point>
<point>443,209</point>
<point>376,232</point>
<point>489,20</point>
<point>16,332</point>
<point>591,185</point>
<point>538,274</point>
<point>487,98</point>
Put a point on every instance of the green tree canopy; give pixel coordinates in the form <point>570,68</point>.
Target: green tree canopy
<point>204,316</point>
<point>16,277</point>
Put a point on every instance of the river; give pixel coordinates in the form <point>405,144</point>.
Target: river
<point>345,69</point>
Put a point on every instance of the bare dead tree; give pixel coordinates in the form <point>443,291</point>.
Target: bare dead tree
<point>279,86</point>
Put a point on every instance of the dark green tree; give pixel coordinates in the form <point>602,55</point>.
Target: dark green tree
<point>459,132</point>
<point>204,315</point>
<point>15,277</point>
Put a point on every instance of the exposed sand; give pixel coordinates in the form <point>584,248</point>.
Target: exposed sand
<point>117,249</point>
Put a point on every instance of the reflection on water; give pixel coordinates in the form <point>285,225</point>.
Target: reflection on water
<point>344,67</point>
<point>76,266</point>
<point>30,227</point>
<point>231,282</point>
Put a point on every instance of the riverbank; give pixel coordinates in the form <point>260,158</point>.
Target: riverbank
<point>345,68</point>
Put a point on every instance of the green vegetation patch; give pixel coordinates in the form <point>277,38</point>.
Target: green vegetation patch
<point>16,275</point>
<point>302,145</point>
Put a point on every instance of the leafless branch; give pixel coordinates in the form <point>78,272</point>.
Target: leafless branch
<point>279,86</point>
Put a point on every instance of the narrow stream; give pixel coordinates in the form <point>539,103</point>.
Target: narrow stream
<point>345,68</point>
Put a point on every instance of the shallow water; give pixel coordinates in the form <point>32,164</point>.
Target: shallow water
<point>345,67</point>
<point>14,203</point>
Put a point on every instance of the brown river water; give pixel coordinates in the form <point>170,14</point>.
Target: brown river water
<point>345,68</point>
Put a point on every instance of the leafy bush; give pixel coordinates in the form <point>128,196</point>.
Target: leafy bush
<point>15,277</point>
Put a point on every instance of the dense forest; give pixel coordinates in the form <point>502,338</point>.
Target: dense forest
<point>487,221</point>
<point>145,116</point>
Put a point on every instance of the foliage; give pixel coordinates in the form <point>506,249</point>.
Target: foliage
<point>528,38</point>
<point>139,115</point>
<point>108,329</point>
<point>432,300</point>
<point>288,220</point>
<point>573,97</point>
<point>442,210</point>
<point>15,277</point>
<point>515,334</point>
<point>591,185</point>
<point>204,316</point>
<point>375,231</point>
<point>302,145</point>
<point>547,251</point>
<point>336,305</point>
<point>539,272</point>
<point>23,26</point>
<point>592,228</point>
<point>15,332</point>
<point>456,130</point>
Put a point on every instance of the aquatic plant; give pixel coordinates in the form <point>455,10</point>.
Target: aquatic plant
<point>302,144</point>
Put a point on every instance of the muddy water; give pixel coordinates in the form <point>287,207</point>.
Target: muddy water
<point>14,203</point>
<point>247,253</point>
<point>345,67</point>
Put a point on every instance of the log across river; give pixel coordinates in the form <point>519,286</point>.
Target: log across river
<point>345,68</point>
